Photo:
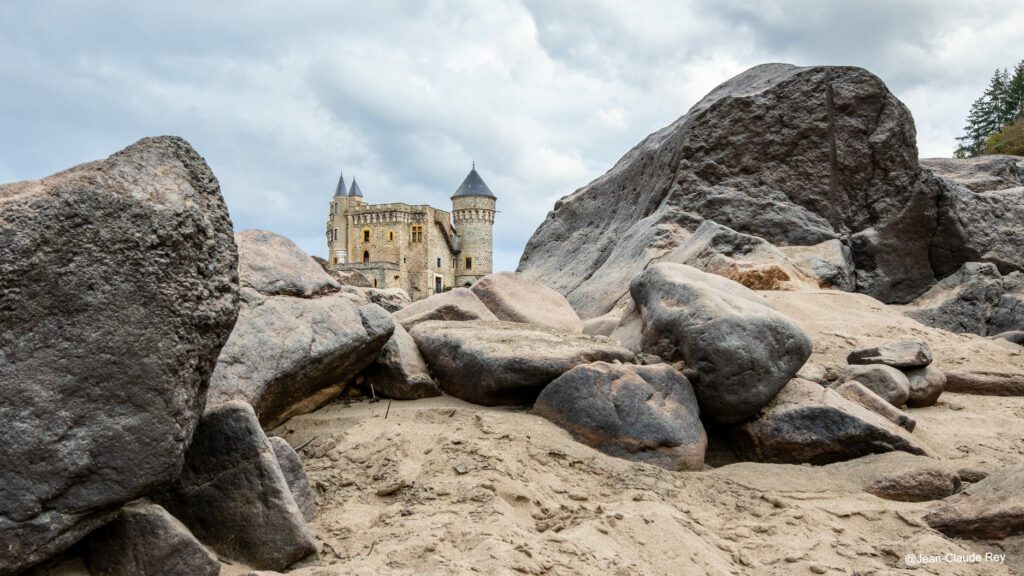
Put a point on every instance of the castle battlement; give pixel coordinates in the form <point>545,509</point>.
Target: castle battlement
<point>416,247</point>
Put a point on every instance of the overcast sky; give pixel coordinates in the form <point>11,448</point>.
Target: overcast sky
<point>546,95</point>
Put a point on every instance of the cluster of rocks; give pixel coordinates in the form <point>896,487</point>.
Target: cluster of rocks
<point>131,355</point>
<point>824,187</point>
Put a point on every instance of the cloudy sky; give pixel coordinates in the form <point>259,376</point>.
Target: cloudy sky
<point>546,95</point>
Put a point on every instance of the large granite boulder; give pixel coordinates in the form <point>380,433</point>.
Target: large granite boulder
<point>390,299</point>
<point>144,539</point>
<point>743,350</point>
<point>290,354</point>
<point>807,423</point>
<point>233,495</point>
<point>506,363</point>
<point>643,413</point>
<point>980,208</point>
<point>976,299</point>
<point>295,475</point>
<point>118,287</point>
<point>797,156</point>
<point>513,298</point>
<point>399,370</point>
<point>455,304</point>
<point>274,266</point>
<point>886,381</point>
<point>991,509</point>
<point>897,353</point>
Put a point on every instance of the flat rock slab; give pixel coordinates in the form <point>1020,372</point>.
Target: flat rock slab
<point>886,381</point>
<point>807,423</point>
<point>898,354</point>
<point>233,495</point>
<point>506,363</point>
<point>992,509</point>
<point>295,475</point>
<point>514,298</point>
<point>856,392</point>
<point>145,539</point>
<point>743,350</point>
<point>456,304</point>
<point>985,383</point>
<point>643,413</point>
<point>118,287</point>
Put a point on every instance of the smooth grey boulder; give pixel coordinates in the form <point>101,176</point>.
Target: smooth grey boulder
<point>830,262</point>
<point>399,370</point>
<point>630,330</point>
<point>897,353</point>
<point>807,423</point>
<point>289,356</point>
<point>979,227</point>
<point>274,266</point>
<point>295,475</point>
<point>233,495</point>
<point>912,479</point>
<point>118,287</point>
<point>886,381</point>
<point>513,298</point>
<point>926,385</point>
<point>643,413</point>
<point>145,539</point>
<point>456,304</point>
<point>991,509</point>
<point>743,350</point>
<point>796,156</point>
<point>298,340</point>
<point>390,299</point>
<point>856,392</point>
<point>506,363</point>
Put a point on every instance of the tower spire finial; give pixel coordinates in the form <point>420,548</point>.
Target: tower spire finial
<point>474,161</point>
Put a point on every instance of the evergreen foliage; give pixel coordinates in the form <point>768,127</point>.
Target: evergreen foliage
<point>994,113</point>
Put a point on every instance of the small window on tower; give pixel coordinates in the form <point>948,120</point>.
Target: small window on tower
<point>391,235</point>
<point>438,262</point>
<point>469,263</point>
<point>366,235</point>
<point>366,256</point>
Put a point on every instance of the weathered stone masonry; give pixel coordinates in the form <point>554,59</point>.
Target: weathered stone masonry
<point>419,248</point>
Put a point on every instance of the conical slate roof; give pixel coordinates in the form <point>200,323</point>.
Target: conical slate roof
<point>354,190</point>
<point>340,190</point>
<point>473,185</point>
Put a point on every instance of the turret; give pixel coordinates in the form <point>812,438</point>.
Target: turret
<point>337,224</point>
<point>473,209</point>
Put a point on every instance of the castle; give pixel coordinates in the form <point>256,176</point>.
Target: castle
<point>418,248</point>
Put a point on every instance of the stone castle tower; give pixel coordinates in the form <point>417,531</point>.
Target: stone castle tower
<point>418,248</point>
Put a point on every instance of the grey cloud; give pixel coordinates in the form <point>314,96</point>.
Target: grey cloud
<point>545,95</point>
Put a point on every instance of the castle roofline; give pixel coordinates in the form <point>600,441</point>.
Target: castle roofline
<point>339,190</point>
<point>354,190</point>
<point>473,185</point>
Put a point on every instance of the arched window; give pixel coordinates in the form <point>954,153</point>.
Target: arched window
<point>366,255</point>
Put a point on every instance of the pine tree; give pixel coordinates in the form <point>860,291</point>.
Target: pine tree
<point>1013,96</point>
<point>988,115</point>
